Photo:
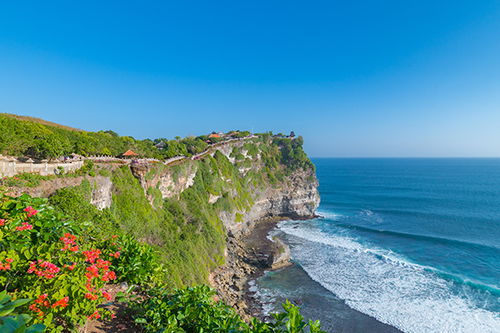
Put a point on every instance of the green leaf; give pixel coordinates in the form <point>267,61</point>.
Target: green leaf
<point>19,302</point>
<point>36,328</point>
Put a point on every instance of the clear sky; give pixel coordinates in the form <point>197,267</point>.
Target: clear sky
<point>355,78</point>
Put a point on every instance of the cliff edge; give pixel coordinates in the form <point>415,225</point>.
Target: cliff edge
<point>200,213</point>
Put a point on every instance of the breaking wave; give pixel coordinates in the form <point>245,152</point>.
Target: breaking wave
<point>411,297</point>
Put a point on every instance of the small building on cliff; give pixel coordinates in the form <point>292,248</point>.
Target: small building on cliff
<point>129,154</point>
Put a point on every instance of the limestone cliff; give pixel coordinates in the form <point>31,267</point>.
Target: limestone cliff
<point>297,197</point>
<point>248,251</point>
<point>208,215</point>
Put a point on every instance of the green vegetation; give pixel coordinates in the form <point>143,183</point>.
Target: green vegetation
<point>11,321</point>
<point>292,154</point>
<point>24,136</point>
<point>166,246</point>
<point>39,139</point>
<point>57,264</point>
<point>187,230</point>
<point>56,268</point>
<point>21,137</point>
<point>195,310</point>
<point>181,147</point>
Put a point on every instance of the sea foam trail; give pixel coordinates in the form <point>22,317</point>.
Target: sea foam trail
<point>394,291</point>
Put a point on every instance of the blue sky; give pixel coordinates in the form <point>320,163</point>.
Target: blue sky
<point>355,78</point>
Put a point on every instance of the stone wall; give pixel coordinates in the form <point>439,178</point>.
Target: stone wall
<point>10,167</point>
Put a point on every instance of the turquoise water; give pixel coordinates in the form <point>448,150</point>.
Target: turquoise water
<point>414,243</point>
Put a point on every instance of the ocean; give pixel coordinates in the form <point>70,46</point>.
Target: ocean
<point>409,245</point>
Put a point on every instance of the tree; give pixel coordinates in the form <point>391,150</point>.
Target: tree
<point>48,147</point>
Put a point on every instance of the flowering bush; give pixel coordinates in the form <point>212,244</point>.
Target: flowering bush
<point>43,257</point>
<point>56,271</point>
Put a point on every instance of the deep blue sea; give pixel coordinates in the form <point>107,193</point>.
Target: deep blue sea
<point>413,243</point>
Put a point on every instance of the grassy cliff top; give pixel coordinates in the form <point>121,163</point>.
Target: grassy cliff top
<point>40,121</point>
<point>41,139</point>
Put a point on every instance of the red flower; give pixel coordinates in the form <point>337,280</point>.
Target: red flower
<point>91,255</point>
<point>107,295</point>
<point>115,255</point>
<point>6,267</point>
<point>2,222</point>
<point>44,269</point>
<point>94,271</point>
<point>31,211</point>
<point>40,301</point>
<point>95,315</point>
<point>24,226</point>
<point>89,286</point>
<point>69,242</point>
<point>103,264</point>
<point>109,276</point>
<point>70,267</point>
<point>90,296</point>
<point>33,307</point>
<point>63,302</point>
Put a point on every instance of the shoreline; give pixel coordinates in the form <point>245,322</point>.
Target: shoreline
<point>248,257</point>
<point>251,256</point>
<point>259,241</point>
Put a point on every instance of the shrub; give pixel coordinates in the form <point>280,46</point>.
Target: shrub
<point>137,263</point>
<point>195,310</point>
<point>24,179</point>
<point>43,257</point>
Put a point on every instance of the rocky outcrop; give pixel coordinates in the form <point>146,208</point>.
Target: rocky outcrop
<point>281,254</point>
<point>171,181</point>
<point>102,189</point>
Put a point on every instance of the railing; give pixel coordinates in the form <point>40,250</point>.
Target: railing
<point>10,166</point>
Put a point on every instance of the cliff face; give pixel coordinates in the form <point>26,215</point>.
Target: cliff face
<point>295,198</point>
<point>248,251</point>
<point>201,212</point>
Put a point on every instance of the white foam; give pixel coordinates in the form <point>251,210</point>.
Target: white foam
<point>367,212</point>
<point>329,215</point>
<point>370,216</point>
<point>267,299</point>
<point>387,287</point>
